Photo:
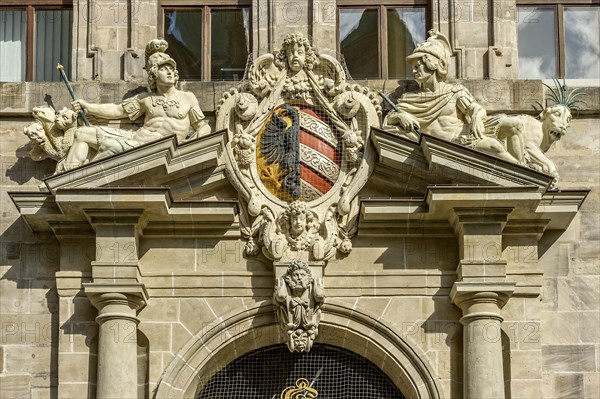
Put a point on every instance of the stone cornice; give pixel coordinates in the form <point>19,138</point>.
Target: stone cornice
<point>69,211</point>
<point>457,161</point>
<point>534,212</point>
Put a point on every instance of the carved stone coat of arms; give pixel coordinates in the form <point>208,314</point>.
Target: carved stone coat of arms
<point>298,155</point>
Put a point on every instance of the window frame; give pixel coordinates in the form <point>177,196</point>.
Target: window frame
<point>559,7</point>
<point>382,7</point>
<point>206,7</point>
<point>30,6</point>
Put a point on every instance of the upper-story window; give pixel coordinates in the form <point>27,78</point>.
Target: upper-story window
<point>208,42</point>
<point>559,39</point>
<point>34,38</point>
<point>375,39</point>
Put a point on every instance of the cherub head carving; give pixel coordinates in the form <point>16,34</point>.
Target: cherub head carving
<point>296,53</point>
<point>297,218</point>
<point>298,277</point>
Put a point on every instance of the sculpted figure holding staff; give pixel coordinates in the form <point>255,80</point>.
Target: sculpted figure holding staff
<point>166,110</point>
<point>448,110</point>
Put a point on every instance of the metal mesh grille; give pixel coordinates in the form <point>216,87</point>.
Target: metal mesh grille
<point>267,372</point>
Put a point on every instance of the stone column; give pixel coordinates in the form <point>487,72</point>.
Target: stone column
<point>482,337</point>
<point>118,293</point>
<point>481,290</point>
<point>117,342</point>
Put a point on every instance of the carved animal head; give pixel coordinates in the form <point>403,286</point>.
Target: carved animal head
<point>44,114</point>
<point>555,122</point>
<point>35,132</point>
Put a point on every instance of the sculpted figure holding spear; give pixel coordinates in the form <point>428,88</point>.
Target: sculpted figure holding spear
<point>166,110</point>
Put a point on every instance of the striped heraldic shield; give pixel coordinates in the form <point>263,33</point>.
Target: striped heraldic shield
<point>298,154</point>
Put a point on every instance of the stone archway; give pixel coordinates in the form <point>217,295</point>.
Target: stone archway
<point>352,329</point>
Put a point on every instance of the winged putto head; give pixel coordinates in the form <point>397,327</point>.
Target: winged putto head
<point>296,53</point>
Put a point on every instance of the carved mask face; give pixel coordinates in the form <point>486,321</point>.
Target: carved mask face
<point>297,224</point>
<point>300,340</point>
<point>299,277</point>
<point>296,57</point>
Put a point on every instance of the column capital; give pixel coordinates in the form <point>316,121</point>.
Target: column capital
<point>481,300</point>
<point>117,300</point>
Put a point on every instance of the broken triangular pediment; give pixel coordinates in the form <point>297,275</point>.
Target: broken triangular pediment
<point>407,167</point>
<point>190,170</point>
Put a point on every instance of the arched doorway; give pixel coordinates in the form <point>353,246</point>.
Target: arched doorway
<point>333,372</point>
<point>240,333</point>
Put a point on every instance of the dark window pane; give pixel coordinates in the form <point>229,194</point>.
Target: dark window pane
<point>52,43</point>
<point>359,41</point>
<point>582,42</point>
<point>183,32</point>
<point>230,43</point>
<point>537,42</point>
<point>12,45</point>
<point>405,29</point>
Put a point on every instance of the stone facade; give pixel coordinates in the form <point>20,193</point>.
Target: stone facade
<point>467,278</point>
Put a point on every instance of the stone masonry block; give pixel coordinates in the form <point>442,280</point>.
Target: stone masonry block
<point>180,337</point>
<point>159,309</point>
<point>14,386</point>
<point>558,328</point>
<point>568,386</point>
<point>16,329</point>
<point>76,367</point>
<point>14,298</point>
<point>522,389</point>
<point>158,334</point>
<point>27,359</point>
<point>591,384</point>
<point>75,390</point>
<point>589,331</point>
<point>569,358</point>
<point>526,364</point>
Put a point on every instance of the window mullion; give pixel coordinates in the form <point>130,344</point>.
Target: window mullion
<point>383,43</point>
<point>206,65</point>
<point>561,41</point>
<point>29,38</point>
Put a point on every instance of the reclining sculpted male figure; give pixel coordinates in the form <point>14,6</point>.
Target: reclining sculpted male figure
<point>448,110</point>
<point>166,110</point>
